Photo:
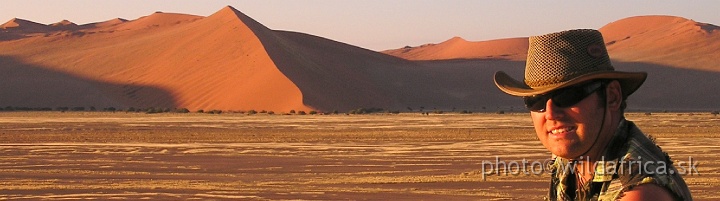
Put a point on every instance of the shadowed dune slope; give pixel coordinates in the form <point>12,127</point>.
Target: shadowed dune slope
<point>26,85</point>
<point>337,76</point>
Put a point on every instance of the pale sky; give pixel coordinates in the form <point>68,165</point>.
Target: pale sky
<point>381,24</point>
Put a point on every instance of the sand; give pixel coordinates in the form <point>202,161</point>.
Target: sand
<point>277,157</point>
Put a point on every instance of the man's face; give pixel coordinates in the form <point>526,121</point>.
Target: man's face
<point>571,131</point>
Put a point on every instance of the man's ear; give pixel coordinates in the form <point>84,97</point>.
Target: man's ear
<point>613,94</point>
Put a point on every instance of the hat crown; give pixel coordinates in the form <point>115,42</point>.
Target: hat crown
<point>559,57</point>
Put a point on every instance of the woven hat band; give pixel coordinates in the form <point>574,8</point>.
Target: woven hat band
<point>559,57</point>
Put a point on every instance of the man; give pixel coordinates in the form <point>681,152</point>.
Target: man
<point>577,100</point>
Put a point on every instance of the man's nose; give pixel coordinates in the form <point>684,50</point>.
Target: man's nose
<point>553,112</point>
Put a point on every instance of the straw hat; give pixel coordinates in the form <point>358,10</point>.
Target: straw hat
<point>564,59</point>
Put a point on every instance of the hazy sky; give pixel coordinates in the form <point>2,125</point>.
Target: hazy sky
<point>381,24</point>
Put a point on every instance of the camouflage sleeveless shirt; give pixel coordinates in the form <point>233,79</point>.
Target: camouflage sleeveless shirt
<point>630,159</point>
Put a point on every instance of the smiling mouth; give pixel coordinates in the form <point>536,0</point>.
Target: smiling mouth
<point>561,130</point>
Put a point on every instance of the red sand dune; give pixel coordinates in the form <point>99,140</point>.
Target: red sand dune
<point>22,25</point>
<point>458,48</point>
<point>665,40</point>
<point>111,22</point>
<point>63,23</point>
<point>228,61</point>
<point>680,55</point>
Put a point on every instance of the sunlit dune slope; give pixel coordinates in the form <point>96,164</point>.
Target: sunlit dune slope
<point>458,48</point>
<point>666,40</point>
<point>215,62</point>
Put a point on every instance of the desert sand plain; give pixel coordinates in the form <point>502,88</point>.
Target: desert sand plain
<point>118,156</point>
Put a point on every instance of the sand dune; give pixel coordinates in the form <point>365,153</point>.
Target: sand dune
<point>21,25</point>
<point>158,19</point>
<point>459,48</point>
<point>63,23</point>
<point>215,62</point>
<point>111,22</point>
<point>665,40</point>
<point>229,61</point>
<point>680,55</point>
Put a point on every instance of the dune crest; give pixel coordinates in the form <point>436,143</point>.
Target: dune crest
<point>156,20</point>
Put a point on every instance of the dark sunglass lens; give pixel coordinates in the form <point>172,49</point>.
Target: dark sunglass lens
<point>536,103</point>
<point>571,96</point>
<point>565,97</point>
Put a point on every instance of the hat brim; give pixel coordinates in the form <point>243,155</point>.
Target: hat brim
<point>629,81</point>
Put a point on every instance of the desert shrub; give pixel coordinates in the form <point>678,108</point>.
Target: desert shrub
<point>263,111</point>
<point>715,112</point>
<point>182,110</point>
<point>465,112</point>
<point>62,109</point>
<point>270,112</point>
<point>153,110</point>
<point>648,113</point>
<point>110,109</point>
<point>22,108</point>
<point>215,112</point>
<point>501,112</point>
<point>313,112</point>
<point>250,112</point>
<point>301,112</point>
<point>78,109</point>
<point>92,108</point>
<point>438,111</point>
<point>292,111</point>
<point>335,112</point>
<point>366,110</point>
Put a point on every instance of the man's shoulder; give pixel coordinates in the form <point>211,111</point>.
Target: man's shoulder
<point>642,162</point>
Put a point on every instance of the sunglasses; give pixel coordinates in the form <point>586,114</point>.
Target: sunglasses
<point>564,97</point>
